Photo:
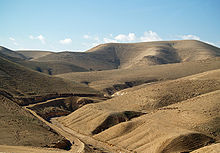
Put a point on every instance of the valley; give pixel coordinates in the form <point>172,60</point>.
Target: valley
<point>155,97</point>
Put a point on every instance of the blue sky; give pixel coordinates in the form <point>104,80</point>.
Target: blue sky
<point>77,25</point>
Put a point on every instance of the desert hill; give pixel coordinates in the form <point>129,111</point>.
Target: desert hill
<point>19,128</point>
<point>89,61</point>
<point>160,97</point>
<point>172,115</point>
<point>23,82</point>
<point>9,54</point>
<point>209,149</point>
<point>26,58</point>
<point>154,53</point>
<point>112,81</point>
<point>21,86</point>
<point>51,68</point>
<point>182,127</point>
<point>33,54</point>
<point>116,55</point>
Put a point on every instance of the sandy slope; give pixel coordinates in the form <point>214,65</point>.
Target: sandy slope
<point>32,54</point>
<point>179,127</point>
<point>162,116</point>
<point>145,99</point>
<point>160,52</point>
<point>52,67</point>
<point>198,117</point>
<point>77,145</point>
<point>119,55</point>
<point>20,81</point>
<point>11,54</point>
<point>113,80</point>
<point>114,56</point>
<point>18,127</point>
<point>26,149</point>
<point>17,84</point>
<point>215,148</point>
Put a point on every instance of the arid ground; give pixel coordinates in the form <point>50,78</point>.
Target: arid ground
<point>149,97</point>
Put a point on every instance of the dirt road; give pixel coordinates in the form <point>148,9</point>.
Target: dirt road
<point>77,145</point>
<point>80,143</point>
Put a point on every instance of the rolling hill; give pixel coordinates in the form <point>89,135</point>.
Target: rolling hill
<point>20,128</point>
<point>21,86</point>
<point>7,53</point>
<point>160,97</point>
<point>116,55</point>
<point>112,81</point>
<point>160,117</point>
<point>181,127</point>
<point>25,58</point>
<point>20,81</point>
<point>33,54</point>
<point>51,68</point>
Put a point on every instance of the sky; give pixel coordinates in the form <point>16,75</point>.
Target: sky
<point>78,25</point>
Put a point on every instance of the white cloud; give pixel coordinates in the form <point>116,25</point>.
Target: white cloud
<point>94,44</point>
<point>90,45</point>
<point>129,37</point>
<point>194,37</point>
<point>86,36</point>
<point>40,37</point>
<point>16,44</point>
<point>91,41</point>
<point>190,37</point>
<point>107,40</point>
<point>66,41</point>
<point>95,38</point>
<point>11,38</point>
<point>31,37</point>
<point>150,36</point>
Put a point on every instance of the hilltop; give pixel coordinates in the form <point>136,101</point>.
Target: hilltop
<point>117,55</point>
<point>156,97</point>
<point>113,56</point>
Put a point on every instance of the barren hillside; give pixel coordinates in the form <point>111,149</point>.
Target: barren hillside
<point>116,55</point>
<point>21,86</point>
<point>156,97</point>
<point>172,115</point>
<point>182,127</point>
<point>18,127</point>
<point>32,54</point>
<point>22,82</point>
<point>112,81</point>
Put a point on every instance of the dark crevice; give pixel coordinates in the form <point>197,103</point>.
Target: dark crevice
<point>60,107</point>
<point>125,85</point>
<point>25,101</point>
<point>116,118</point>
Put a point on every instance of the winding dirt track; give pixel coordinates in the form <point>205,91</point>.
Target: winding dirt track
<point>99,145</point>
<point>77,147</point>
<point>79,141</point>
